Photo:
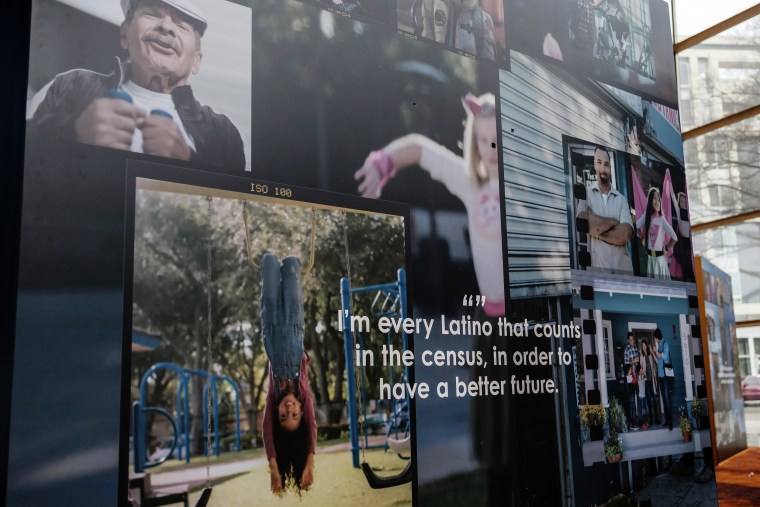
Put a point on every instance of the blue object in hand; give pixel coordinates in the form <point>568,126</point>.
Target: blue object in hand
<point>114,93</point>
<point>160,112</point>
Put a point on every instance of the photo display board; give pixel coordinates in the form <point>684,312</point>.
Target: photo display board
<point>720,341</point>
<point>398,252</point>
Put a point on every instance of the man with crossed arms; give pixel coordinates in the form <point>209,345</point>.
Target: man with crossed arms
<point>609,219</point>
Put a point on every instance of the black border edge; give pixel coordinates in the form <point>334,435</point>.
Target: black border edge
<point>183,175</point>
<point>15,38</point>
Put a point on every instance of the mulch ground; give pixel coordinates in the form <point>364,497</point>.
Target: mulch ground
<point>738,479</point>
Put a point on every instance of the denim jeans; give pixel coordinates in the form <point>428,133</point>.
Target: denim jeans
<point>644,409</point>
<point>653,402</point>
<point>282,315</point>
<point>633,413</point>
<point>664,383</point>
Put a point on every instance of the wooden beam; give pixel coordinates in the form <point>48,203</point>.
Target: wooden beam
<point>716,29</point>
<point>723,122</point>
<point>748,323</point>
<point>723,222</point>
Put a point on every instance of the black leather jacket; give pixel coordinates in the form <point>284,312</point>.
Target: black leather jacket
<point>217,140</point>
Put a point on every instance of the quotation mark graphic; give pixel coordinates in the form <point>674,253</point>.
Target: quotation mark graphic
<point>478,301</point>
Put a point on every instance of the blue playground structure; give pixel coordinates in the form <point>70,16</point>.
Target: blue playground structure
<point>390,301</point>
<point>180,422</point>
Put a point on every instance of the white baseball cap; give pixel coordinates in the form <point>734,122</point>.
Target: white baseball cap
<point>186,7</point>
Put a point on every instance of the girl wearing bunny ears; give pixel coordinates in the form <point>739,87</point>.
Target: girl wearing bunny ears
<point>473,178</point>
<point>657,235</point>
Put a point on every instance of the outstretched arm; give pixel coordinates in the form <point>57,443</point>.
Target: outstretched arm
<point>382,165</point>
<point>405,151</point>
<point>307,402</point>
<point>275,479</point>
<point>307,478</point>
<point>267,432</point>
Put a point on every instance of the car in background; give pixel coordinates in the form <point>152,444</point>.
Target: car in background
<point>751,387</point>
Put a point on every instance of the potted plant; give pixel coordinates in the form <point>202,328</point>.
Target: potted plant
<point>613,447</point>
<point>697,411</point>
<point>617,416</point>
<point>593,417</point>
<point>685,424</point>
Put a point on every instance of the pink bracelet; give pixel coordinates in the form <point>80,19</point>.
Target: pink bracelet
<point>384,165</point>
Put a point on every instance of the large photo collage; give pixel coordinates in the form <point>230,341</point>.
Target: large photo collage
<point>595,184</point>
<point>233,188</point>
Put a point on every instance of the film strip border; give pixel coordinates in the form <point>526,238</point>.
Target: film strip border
<point>464,32</point>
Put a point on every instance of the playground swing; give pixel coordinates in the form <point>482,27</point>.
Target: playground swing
<point>394,302</point>
<point>206,491</point>
<point>397,445</point>
<point>390,307</point>
<point>387,303</point>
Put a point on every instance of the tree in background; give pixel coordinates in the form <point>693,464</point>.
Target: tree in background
<point>171,272</point>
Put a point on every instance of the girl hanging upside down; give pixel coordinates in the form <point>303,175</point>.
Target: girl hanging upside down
<point>289,427</point>
<point>474,179</point>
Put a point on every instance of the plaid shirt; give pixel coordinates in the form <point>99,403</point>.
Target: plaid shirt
<point>631,352</point>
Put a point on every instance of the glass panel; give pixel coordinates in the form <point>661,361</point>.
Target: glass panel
<point>687,114</point>
<point>744,366</point>
<point>723,171</point>
<point>683,71</point>
<point>693,16</point>
<point>757,345</point>
<point>735,249</point>
<point>722,75</point>
<point>743,346</point>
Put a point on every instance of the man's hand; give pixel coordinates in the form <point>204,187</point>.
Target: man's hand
<point>108,122</point>
<point>161,136</point>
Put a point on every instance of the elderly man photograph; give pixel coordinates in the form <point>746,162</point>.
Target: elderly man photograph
<point>610,225</point>
<point>146,105</point>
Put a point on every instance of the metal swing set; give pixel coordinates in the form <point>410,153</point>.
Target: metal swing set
<point>390,300</point>
<point>210,395</point>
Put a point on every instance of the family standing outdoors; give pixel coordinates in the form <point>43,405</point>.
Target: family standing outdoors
<point>649,379</point>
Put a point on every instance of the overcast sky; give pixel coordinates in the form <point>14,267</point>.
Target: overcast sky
<point>693,16</point>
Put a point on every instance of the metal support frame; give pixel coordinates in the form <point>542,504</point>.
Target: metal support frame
<point>180,424</point>
<point>398,287</point>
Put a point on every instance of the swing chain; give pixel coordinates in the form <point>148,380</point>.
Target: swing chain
<point>357,387</point>
<point>208,349</point>
<point>313,242</point>
<point>248,246</point>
